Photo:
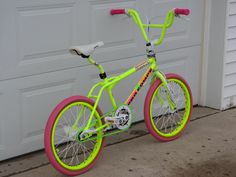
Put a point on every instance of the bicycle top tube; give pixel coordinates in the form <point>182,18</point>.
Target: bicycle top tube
<point>167,24</point>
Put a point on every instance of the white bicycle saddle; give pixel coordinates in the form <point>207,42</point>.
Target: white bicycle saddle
<point>85,50</point>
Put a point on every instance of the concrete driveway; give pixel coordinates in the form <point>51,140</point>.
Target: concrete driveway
<point>207,149</point>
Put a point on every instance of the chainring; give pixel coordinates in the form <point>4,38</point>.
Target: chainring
<point>125,117</point>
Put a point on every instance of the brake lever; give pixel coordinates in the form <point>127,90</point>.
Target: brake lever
<point>128,15</point>
<point>183,18</point>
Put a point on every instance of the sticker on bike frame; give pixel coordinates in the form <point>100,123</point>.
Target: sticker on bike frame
<point>141,65</point>
<point>138,86</point>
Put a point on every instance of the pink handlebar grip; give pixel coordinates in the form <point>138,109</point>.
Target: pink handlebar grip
<point>117,11</point>
<point>181,11</point>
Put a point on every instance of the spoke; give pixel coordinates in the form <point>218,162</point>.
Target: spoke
<point>73,154</point>
<point>76,155</point>
<point>163,123</point>
<point>92,142</point>
<point>82,148</point>
<point>67,150</point>
<point>180,118</point>
<point>87,149</point>
<point>163,118</point>
<point>73,116</point>
<point>160,118</point>
<point>167,120</point>
<point>67,143</point>
<point>62,141</point>
<point>173,123</point>
<point>77,113</point>
<point>77,159</point>
<point>64,117</point>
<point>61,136</point>
<point>84,118</point>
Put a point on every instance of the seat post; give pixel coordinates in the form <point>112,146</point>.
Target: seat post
<point>102,74</point>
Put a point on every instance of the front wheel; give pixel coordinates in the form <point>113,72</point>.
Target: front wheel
<point>163,121</point>
<point>65,151</point>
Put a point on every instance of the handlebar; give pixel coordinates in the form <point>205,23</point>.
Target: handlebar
<point>167,24</point>
<point>117,11</point>
<point>181,11</point>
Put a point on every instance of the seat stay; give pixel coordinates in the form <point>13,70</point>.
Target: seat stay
<point>99,84</point>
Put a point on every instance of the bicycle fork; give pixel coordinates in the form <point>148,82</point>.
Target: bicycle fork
<point>163,79</point>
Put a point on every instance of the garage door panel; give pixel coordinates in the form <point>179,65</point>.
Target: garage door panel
<point>182,33</point>
<point>118,32</point>
<point>28,104</point>
<point>11,127</point>
<point>43,32</point>
<point>102,26</point>
<point>159,7</point>
<point>185,62</point>
<point>39,37</point>
<point>33,101</point>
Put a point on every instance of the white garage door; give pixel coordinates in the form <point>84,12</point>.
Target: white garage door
<point>36,71</point>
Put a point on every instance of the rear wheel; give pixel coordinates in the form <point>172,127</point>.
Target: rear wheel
<point>162,121</point>
<point>65,151</point>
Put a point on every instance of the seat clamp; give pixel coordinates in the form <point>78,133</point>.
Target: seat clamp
<point>103,75</point>
<point>84,56</point>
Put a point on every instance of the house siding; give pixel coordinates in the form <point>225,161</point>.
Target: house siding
<point>229,84</point>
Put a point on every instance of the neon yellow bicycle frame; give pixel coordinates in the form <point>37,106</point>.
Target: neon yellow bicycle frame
<point>109,83</point>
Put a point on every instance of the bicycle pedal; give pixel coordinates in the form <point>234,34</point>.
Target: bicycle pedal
<point>111,120</point>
